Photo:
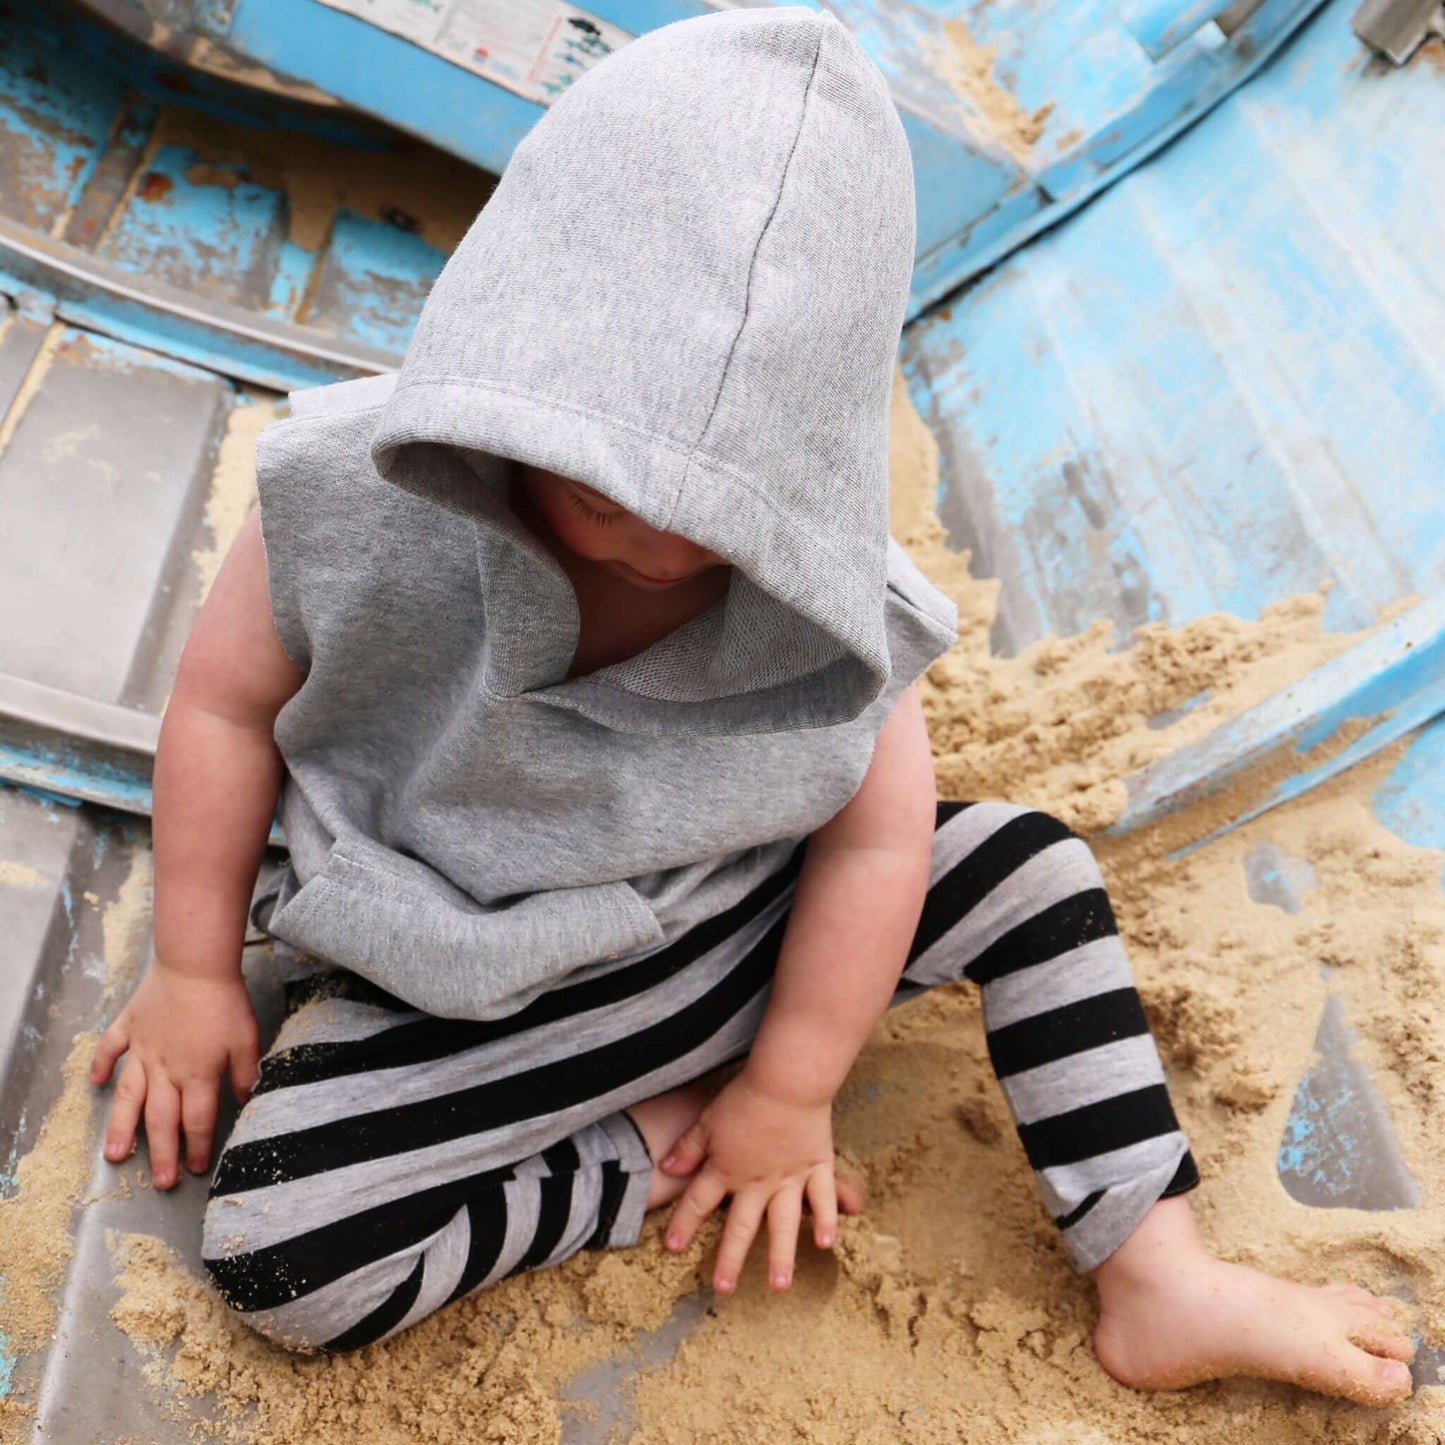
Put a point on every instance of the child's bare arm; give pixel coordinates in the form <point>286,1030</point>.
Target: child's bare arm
<point>767,1138</point>
<point>857,906</point>
<point>216,780</point>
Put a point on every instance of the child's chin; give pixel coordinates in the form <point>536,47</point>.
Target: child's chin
<point>642,580</point>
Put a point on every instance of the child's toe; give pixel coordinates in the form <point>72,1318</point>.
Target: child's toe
<point>1366,1378</point>
<point>1379,1335</point>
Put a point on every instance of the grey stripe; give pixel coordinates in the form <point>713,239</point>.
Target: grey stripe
<point>636,1163</point>
<point>1083,1078</point>
<point>445,1256</point>
<point>1093,968</point>
<point>277,1212</point>
<point>524,1209</point>
<point>304,1106</point>
<point>965,831</point>
<point>628,1225</point>
<point>1118,1214</point>
<point>581,1216</point>
<point>1058,872</point>
<point>1066,1186</point>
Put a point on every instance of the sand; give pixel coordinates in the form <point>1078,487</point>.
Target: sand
<point>233,483</point>
<point>948,1312</point>
<point>968,67</point>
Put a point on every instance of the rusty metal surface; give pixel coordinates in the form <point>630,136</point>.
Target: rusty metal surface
<point>165,277</point>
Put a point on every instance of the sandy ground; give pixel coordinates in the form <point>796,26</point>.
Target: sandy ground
<point>947,1312</point>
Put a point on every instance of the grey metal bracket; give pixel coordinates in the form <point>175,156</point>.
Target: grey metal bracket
<point>1397,28</point>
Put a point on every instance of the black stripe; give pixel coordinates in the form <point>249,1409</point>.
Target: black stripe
<point>973,878</point>
<point>534,1093</point>
<point>1114,1123</point>
<point>1057,929</point>
<point>387,1315</point>
<point>554,1207</point>
<point>1060,1033</point>
<point>562,1157</point>
<point>425,1040</point>
<point>1069,1220</point>
<point>487,1223</point>
<point>265,1278</point>
<point>1186,1177</point>
<point>614,1191</point>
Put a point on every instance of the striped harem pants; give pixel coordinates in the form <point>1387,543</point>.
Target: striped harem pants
<point>389,1162</point>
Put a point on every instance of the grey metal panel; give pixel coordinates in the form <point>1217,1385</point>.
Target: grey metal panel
<point>37,844</point>
<point>21,336</point>
<point>104,475</point>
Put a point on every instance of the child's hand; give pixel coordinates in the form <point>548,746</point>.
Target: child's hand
<point>767,1153</point>
<point>181,1032</point>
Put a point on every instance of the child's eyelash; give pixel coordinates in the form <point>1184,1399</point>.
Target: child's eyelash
<point>602,519</point>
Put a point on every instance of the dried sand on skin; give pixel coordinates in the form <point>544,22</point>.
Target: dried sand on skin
<point>948,1311</point>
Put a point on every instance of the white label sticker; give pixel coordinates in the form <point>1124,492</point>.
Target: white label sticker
<point>534,47</point>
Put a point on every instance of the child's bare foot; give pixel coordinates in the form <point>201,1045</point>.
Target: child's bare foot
<point>1172,1315</point>
<point>663,1120</point>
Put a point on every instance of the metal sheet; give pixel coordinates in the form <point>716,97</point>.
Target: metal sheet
<point>107,467</point>
<point>1016,114</point>
<point>139,201</point>
<point>1221,384</point>
<point>1339,1150</point>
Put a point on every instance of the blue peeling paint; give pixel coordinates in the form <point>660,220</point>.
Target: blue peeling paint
<point>201,226</point>
<point>1416,681</point>
<point>374,281</point>
<point>246,358</point>
<point>59,112</point>
<point>1338,1148</point>
<point>1236,350</point>
<point>295,266</point>
<point>7,1360</point>
<point>1411,802</point>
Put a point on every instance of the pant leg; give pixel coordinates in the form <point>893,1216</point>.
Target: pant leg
<point>1016,904</point>
<point>389,1162</point>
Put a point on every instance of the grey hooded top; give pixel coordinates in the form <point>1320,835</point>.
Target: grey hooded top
<point>686,292</point>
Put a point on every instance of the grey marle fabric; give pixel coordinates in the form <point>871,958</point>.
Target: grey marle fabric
<point>686,292</point>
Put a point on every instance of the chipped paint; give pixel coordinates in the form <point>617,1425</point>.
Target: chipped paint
<point>969,67</point>
<point>34,378</point>
<point>20,875</point>
<point>233,484</point>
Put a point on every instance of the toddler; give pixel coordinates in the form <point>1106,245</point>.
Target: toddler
<point>588,665</point>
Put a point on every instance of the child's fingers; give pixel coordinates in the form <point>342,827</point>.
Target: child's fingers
<point>699,1200</point>
<point>113,1043</point>
<point>851,1194</point>
<point>745,1215</point>
<point>198,1119</point>
<point>163,1118</point>
<point>125,1107</point>
<point>823,1201</point>
<point>687,1154</point>
<point>785,1214</point>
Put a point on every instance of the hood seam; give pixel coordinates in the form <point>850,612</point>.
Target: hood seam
<point>682,447</point>
<point>752,267</point>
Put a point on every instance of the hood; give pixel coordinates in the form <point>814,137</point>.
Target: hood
<point>686,292</point>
